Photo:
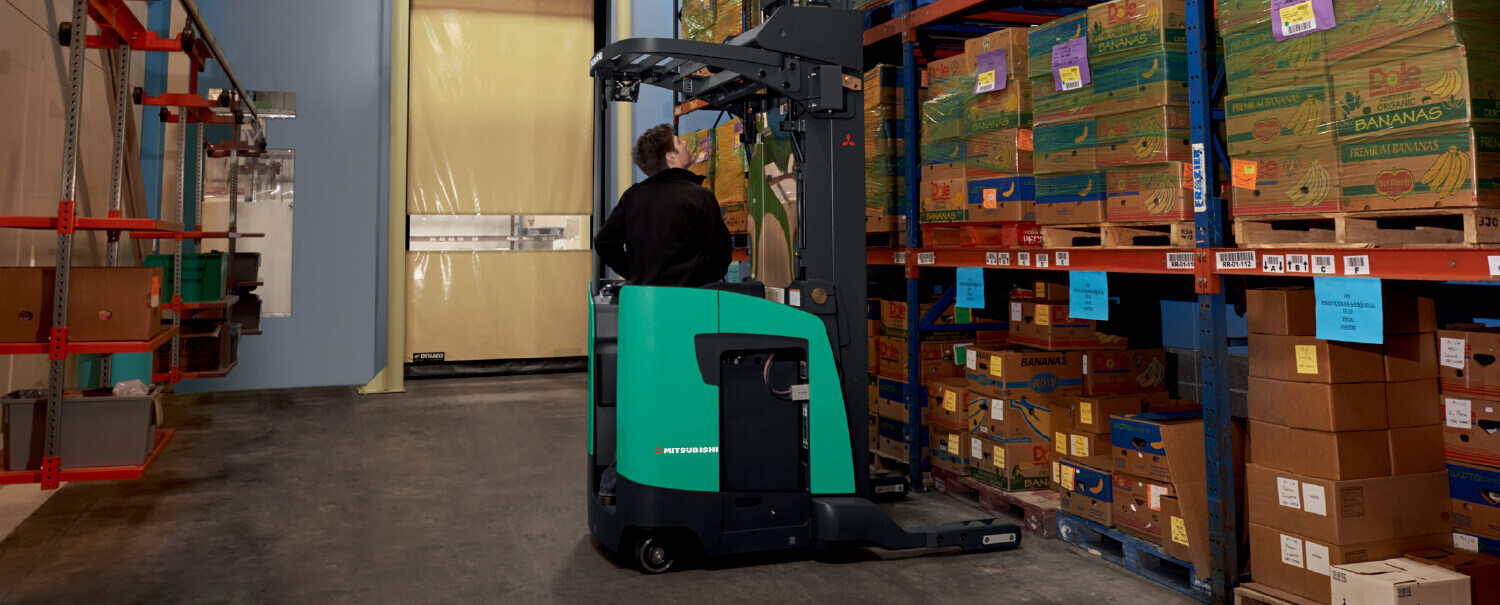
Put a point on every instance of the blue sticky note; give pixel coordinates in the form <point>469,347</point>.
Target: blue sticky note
<point>1088,296</point>
<point>1349,309</point>
<point>970,287</point>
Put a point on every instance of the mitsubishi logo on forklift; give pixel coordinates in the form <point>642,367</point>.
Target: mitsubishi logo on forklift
<point>688,450</point>
<point>848,141</point>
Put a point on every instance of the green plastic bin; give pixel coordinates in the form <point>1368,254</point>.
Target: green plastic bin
<point>202,276</point>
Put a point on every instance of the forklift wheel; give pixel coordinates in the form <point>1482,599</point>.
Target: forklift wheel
<point>654,554</point>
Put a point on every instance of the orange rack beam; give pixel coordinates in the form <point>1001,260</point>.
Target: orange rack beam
<point>107,346</point>
<point>100,473</point>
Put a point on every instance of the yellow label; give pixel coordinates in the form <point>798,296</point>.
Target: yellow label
<point>1041,289</point>
<point>1179,531</point>
<point>987,79</point>
<point>950,401</point>
<point>1297,13</point>
<point>999,457</point>
<point>953,443</point>
<point>1044,315</point>
<point>1056,478</point>
<point>1080,445</point>
<point>1086,412</point>
<point>1060,442</point>
<point>1307,359</point>
<point>1072,73</point>
<point>1067,477</point>
<point>995,366</point>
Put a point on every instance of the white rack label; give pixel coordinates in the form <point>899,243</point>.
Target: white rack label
<point>1296,263</point>
<point>1494,265</point>
<point>1017,312</point>
<point>1288,493</point>
<point>1459,412</point>
<point>1062,259</point>
<point>1317,557</point>
<point>1466,542</point>
<point>1451,352</point>
<point>1322,264</point>
<point>1179,260</point>
<point>1023,259</point>
<point>1357,265</point>
<point>1314,500</point>
<point>926,258</point>
<point>992,258</point>
<point>1291,551</point>
<point>900,258</point>
<point>1041,260</point>
<point>1273,263</point>
<point>1244,259</point>
<point>1004,260</point>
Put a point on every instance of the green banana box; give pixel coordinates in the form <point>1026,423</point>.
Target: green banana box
<point>1148,136</point>
<point>1149,193</point>
<point>1305,179</point>
<point>1009,107</point>
<point>1063,199</point>
<point>730,165</point>
<point>701,144</point>
<point>1041,39</point>
<point>1396,93</point>
<point>1365,25</point>
<point>1277,119</point>
<point>1149,77</point>
<point>1255,60</point>
<point>1064,146</point>
<point>1453,167</point>
<point>1003,151</point>
<point>1124,25</point>
<point>1049,105</point>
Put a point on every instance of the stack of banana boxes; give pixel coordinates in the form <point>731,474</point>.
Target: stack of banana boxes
<point>719,157</point>
<point>1109,91</point>
<point>1373,105</point>
<point>885,150</point>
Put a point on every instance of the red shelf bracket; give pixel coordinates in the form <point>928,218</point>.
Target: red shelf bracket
<point>1205,279</point>
<point>51,469</point>
<point>57,344</point>
<point>66,214</point>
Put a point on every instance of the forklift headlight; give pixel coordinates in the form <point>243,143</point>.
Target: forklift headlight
<point>625,91</point>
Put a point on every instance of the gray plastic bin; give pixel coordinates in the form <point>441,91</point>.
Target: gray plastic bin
<point>96,431</point>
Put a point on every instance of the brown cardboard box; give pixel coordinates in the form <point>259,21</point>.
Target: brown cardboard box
<point>1086,491</point>
<point>1012,39</point>
<point>1288,311</point>
<point>1065,147</point>
<point>1179,535</point>
<point>25,304</point>
<point>950,449</point>
<point>893,314</point>
<point>1280,118</point>
<point>1353,406</point>
<point>944,200</point>
<point>1299,179</point>
<point>1467,362</point>
<point>1070,213</point>
<point>1483,570</point>
<point>1416,449</point>
<point>1412,169</point>
<point>1299,565</point>
<point>1014,374</point>
<point>1158,192</point>
<point>1011,466</point>
<point>937,356</point>
<point>874,432</point>
<point>1397,581</point>
<point>1091,413</point>
<point>1407,312</point>
<point>1472,432</point>
<point>1475,493</point>
<point>1338,456</point>
<point>1348,512</point>
<point>1398,93</point>
<point>1410,403</point>
<point>1092,449</point>
<point>1133,371</point>
<point>1152,136</point>
<point>1138,506</point>
<point>948,402</point>
<point>1050,290</point>
<point>1064,338</point>
<point>1410,357</point>
<point>890,401</point>
<point>1308,359</point>
<point>104,304</point>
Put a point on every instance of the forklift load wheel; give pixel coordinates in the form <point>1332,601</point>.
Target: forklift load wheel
<point>655,554</point>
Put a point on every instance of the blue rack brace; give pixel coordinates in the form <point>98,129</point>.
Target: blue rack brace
<point>913,391</point>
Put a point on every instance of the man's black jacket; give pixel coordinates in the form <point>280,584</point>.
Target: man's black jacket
<point>666,231</point>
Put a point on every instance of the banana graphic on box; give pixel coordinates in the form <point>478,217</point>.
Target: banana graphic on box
<point>1152,18</point>
<point>1416,11</point>
<point>1308,117</point>
<point>1152,375</point>
<point>1301,52</point>
<point>1082,137</point>
<point>1097,488</point>
<point>1449,173</point>
<point>1087,189</point>
<point>1162,200</point>
<point>1012,189</point>
<point>1312,188</point>
<point>1448,85</point>
<point>1155,63</point>
<point>1146,146</point>
<point>1010,102</point>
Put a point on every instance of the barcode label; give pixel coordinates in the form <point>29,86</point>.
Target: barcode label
<point>1296,263</point>
<point>1072,84</point>
<point>992,258</point>
<point>1041,260</point>
<point>1273,263</point>
<point>1023,259</point>
<point>1297,28</point>
<point>926,258</point>
<point>1062,259</point>
<point>1322,264</point>
<point>1237,260</point>
<point>900,258</point>
<point>1356,265</point>
<point>1004,260</point>
<point>1179,260</point>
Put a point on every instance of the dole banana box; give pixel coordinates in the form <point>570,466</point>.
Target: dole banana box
<point>947,96</point>
<point>1476,499</point>
<point>1283,118</point>
<point>1140,79</point>
<point>1302,179</point>
<point>1122,373</point>
<point>950,449</point>
<point>1149,193</point>
<point>1065,147</point>
<point>1237,15</point>
<point>1148,136</point>
<point>1138,506</point>
<point>1075,198</point>
<point>1004,198</point>
<point>944,200</point>
<point>1041,38</point>
<point>730,164</point>
<point>1049,105</point>
<point>1391,94</point>
<point>1009,465</point>
<point>1125,25</point>
<point>1430,168</point>
<point>1012,40</point>
<point>999,150</point>
<point>1008,107</point>
<point>1365,25</point>
<point>1255,60</point>
<point>949,404</point>
<point>701,144</point>
<point>1014,374</point>
<point>1167,446</point>
<point>1086,491</point>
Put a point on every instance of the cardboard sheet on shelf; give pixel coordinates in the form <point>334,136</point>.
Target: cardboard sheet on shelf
<point>497,305</point>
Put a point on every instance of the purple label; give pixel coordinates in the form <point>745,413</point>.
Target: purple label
<point>992,72</point>
<point>1292,18</point>
<point>1070,64</point>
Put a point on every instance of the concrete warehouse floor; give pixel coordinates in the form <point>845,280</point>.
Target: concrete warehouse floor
<point>457,491</point>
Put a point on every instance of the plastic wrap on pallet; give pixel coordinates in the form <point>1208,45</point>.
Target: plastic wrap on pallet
<point>1302,179</point>
<point>698,18</point>
<point>1065,146</point>
<point>1125,25</point>
<point>996,150</point>
<point>1149,193</point>
<point>701,145</point>
<point>1041,39</point>
<point>730,165</point>
<point>943,109</point>
<point>884,132</point>
<point>1148,136</point>
<point>1147,77</point>
<point>1007,107</point>
<point>729,20</point>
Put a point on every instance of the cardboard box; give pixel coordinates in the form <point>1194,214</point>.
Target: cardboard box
<point>1471,433</point>
<point>1255,60</point>
<point>1398,581</point>
<point>1000,199</point>
<point>1281,118</point>
<point>1166,447</point>
<point>1149,193</point>
<point>874,432</point>
<point>1082,447</point>
<point>1476,543</point>
<point>1387,26</point>
<point>25,303</point>
<point>1063,199</point>
<point>1347,512</point>
<point>1092,413</point>
<point>1410,357</point>
<point>1286,311</point>
<point>1308,359</point>
<point>936,358</point>
<point>890,401</point>
<point>1065,147</point>
<point>1050,105</point>
<point>1338,456</point>
<point>1010,39</point>
<point>1476,499</point>
<point>1436,167</point>
<point>1148,136</point>
<point>1008,106</point>
<point>1137,505</point>
<point>883,86</point>
<point>893,441</point>
<point>1475,373</point>
<point>1299,179</point>
<point>1181,538</point>
<point>1086,491</point>
<point>1416,449</point>
<point>950,449</point>
<point>1299,565</point>
<point>104,303</point>
<point>893,315</point>
<point>1125,25</point>
<point>1391,94</point>
<point>1042,38</point>
<point>1483,570</point>
<point>948,404</point>
<point>1009,466</point>
<point>998,150</point>
<point>1410,403</point>
<point>1013,374</point>
<point>1354,406</point>
<point>1019,421</point>
<point>1140,79</point>
<point>1063,337</point>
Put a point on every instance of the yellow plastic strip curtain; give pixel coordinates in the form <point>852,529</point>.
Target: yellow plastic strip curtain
<point>497,305</point>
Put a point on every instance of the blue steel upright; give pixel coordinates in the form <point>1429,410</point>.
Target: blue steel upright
<point>913,395</point>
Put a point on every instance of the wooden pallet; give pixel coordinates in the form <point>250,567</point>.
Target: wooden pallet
<point>882,462</point>
<point>1037,509</point>
<point>1426,228</point>
<point>1133,554</point>
<point>1259,594</point>
<point>981,235</point>
<point>1164,234</point>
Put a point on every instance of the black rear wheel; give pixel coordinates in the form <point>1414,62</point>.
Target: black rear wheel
<point>655,554</point>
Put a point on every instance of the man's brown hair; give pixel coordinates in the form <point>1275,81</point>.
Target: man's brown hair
<point>652,147</point>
